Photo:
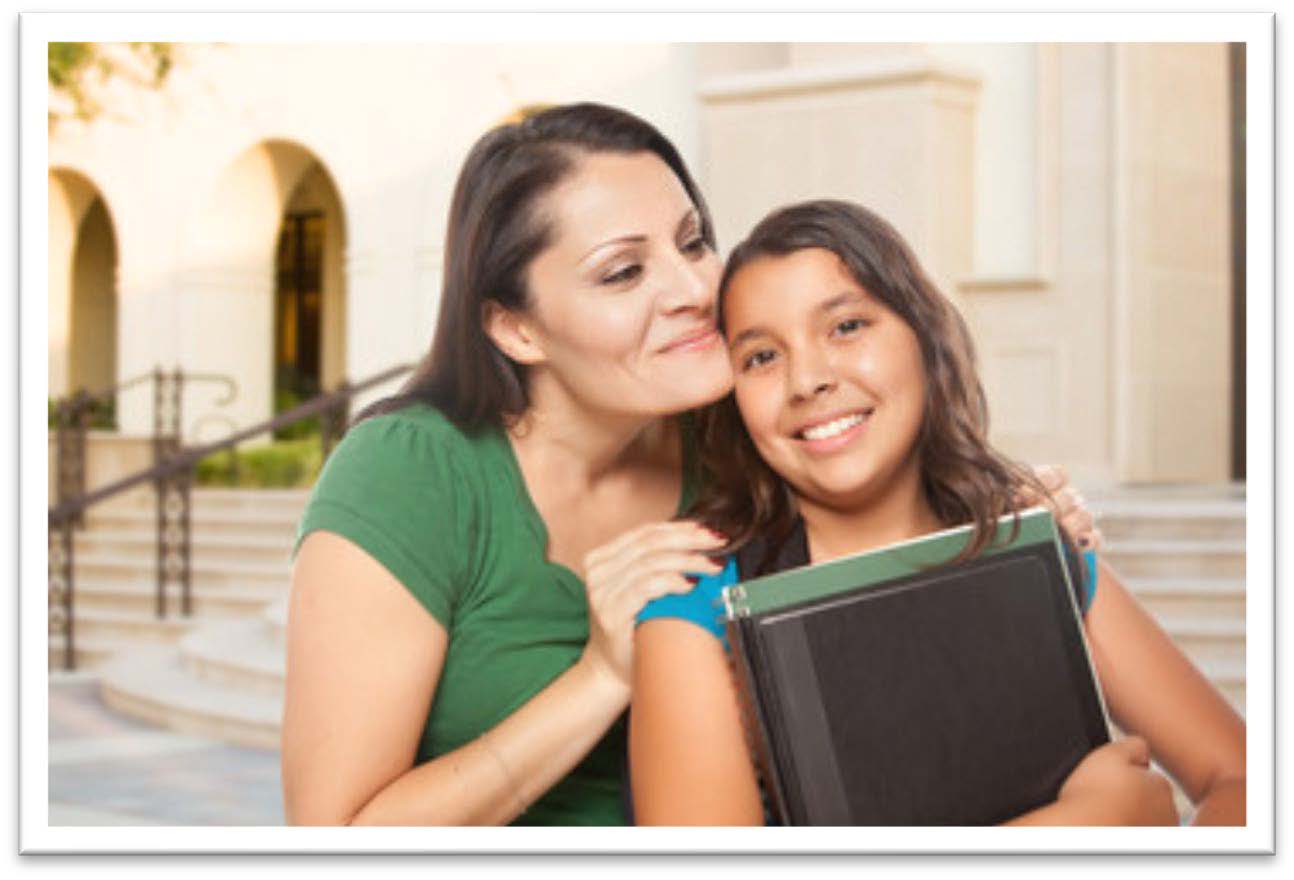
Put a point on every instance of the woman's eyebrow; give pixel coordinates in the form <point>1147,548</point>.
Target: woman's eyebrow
<point>635,238</point>
<point>690,218</point>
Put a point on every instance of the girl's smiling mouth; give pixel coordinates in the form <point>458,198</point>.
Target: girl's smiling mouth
<point>833,432</point>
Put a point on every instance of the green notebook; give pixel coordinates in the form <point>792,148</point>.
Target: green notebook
<point>896,688</point>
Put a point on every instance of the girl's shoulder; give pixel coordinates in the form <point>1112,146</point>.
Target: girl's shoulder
<point>702,605</point>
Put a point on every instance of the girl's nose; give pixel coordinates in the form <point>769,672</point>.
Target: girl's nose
<point>809,376</point>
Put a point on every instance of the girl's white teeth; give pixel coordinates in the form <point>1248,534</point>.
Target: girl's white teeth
<point>832,428</point>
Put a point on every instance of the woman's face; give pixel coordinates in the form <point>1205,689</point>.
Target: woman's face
<point>622,301</point>
<point>829,380</point>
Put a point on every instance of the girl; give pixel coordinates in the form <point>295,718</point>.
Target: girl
<point>856,421</point>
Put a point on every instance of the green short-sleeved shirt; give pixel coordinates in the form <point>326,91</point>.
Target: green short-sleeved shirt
<point>448,514</point>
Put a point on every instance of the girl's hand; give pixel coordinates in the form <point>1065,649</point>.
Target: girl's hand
<point>624,575</point>
<point>1068,505</point>
<point>1114,785</point>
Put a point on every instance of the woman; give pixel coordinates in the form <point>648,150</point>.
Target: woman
<point>474,553</point>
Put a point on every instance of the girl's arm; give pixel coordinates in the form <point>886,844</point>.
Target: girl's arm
<point>363,661</point>
<point>688,758</point>
<point>1154,691</point>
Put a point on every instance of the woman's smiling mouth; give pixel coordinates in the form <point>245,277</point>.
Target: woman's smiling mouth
<point>694,341</point>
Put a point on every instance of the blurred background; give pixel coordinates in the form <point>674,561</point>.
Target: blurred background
<point>245,246</point>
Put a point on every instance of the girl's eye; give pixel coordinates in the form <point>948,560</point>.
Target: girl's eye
<point>625,274</point>
<point>757,359</point>
<point>849,325</point>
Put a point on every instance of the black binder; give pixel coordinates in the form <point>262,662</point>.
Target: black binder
<point>893,688</point>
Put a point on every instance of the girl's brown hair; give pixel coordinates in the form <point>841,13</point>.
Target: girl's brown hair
<point>963,478</point>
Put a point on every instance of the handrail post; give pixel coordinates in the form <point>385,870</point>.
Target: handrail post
<point>334,420</point>
<point>61,588</point>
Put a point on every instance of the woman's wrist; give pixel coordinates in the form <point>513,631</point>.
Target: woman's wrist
<point>597,674</point>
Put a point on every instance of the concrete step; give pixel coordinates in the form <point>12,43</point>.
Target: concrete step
<point>1185,596</point>
<point>1207,639</point>
<point>1158,517</point>
<point>141,598</point>
<point>1159,559</point>
<point>124,568</point>
<point>238,654</point>
<point>124,628</point>
<point>205,548</point>
<point>153,685</point>
<point>279,502</point>
<point>89,654</point>
<point>263,523</point>
<point>276,616</point>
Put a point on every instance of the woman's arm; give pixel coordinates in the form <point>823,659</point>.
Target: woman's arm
<point>1153,690</point>
<point>364,659</point>
<point>688,758</point>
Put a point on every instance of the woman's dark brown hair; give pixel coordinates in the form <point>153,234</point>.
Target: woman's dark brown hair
<point>963,478</point>
<point>496,228</point>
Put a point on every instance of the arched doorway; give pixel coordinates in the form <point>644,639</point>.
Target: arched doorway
<point>263,287</point>
<point>82,286</point>
<point>309,318</point>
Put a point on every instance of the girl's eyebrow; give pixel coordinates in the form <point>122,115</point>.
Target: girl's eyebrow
<point>846,298</point>
<point>747,334</point>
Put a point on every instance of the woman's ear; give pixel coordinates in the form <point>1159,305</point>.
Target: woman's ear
<point>511,333</point>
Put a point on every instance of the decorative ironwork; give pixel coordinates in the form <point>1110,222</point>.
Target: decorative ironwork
<point>172,490</point>
<point>60,589</point>
<point>171,474</point>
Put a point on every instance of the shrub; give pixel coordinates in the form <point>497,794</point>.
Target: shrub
<point>283,464</point>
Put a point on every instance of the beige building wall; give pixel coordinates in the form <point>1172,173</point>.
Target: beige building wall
<point>196,174</point>
<point>1070,198</point>
<point>1172,282</point>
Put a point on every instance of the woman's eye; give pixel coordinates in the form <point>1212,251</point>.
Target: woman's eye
<point>757,359</point>
<point>697,245</point>
<point>620,276</point>
<point>849,325</point>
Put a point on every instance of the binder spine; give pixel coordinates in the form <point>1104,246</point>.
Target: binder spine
<point>754,720</point>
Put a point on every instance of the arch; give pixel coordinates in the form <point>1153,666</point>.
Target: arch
<point>229,277</point>
<point>83,261</point>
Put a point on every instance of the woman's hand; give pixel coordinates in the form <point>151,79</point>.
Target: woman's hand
<point>622,576</point>
<point>1114,785</point>
<point>1068,505</point>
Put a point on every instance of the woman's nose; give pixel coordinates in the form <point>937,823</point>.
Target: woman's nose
<point>692,285</point>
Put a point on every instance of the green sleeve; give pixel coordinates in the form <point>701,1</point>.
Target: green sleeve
<point>394,486</point>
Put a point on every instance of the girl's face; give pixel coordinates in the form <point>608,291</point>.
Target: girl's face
<point>622,302</point>
<point>829,380</point>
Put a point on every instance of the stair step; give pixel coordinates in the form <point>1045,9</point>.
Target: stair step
<point>142,544</point>
<point>118,627</point>
<point>267,523</point>
<point>141,598</point>
<point>238,654</point>
<point>1135,559</point>
<point>1205,639</point>
<point>118,567</point>
<point>1188,595</point>
<point>275,503</point>
<point>89,654</point>
<point>152,684</point>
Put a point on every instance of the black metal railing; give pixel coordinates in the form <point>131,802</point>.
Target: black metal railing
<point>172,476</point>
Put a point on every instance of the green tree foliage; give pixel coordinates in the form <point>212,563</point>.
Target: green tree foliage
<point>71,63</point>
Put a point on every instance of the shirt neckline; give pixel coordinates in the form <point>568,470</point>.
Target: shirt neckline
<point>535,521</point>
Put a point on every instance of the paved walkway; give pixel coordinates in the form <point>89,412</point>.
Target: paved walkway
<point>105,769</point>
